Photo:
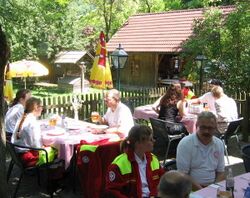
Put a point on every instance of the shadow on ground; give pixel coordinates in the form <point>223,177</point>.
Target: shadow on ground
<point>29,187</point>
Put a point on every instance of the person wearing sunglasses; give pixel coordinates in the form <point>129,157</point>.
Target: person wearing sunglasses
<point>201,154</point>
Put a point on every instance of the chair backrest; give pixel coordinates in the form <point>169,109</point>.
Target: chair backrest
<point>161,137</point>
<point>159,128</point>
<point>14,155</point>
<point>233,127</point>
<point>175,128</point>
<point>170,165</point>
<point>245,151</point>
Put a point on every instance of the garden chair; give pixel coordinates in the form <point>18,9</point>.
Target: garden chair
<point>231,131</point>
<point>16,160</point>
<point>245,151</point>
<point>161,133</point>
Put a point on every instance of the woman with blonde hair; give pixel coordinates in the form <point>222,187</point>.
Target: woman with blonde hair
<point>136,172</point>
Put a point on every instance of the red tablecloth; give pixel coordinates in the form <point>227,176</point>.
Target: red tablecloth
<point>93,166</point>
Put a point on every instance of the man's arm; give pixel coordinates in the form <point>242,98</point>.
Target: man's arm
<point>195,101</point>
<point>195,186</point>
<point>219,176</point>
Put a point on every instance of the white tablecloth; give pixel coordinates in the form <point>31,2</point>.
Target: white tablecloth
<point>65,140</point>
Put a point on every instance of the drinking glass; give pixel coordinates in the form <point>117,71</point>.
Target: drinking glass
<point>95,117</point>
<point>52,121</point>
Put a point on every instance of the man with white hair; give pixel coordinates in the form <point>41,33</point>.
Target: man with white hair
<point>226,108</point>
<point>118,116</point>
<point>208,97</point>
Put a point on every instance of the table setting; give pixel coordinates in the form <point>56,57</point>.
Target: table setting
<point>65,137</point>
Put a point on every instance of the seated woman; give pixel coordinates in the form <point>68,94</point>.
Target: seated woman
<point>15,112</point>
<point>168,103</point>
<point>28,133</point>
<point>136,172</point>
<point>172,108</point>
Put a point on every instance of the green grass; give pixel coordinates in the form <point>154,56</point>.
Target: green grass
<point>42,91</point>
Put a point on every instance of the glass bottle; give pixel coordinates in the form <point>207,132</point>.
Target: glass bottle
<point>230,181</point>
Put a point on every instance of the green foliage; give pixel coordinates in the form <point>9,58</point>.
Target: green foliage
<point>39,28</point>
<point>225,43</point>
<point>151,6</point>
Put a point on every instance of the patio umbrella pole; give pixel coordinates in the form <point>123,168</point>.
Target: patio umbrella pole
<point>24,83</point>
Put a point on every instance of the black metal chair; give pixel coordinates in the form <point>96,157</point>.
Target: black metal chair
<point>170,165</point>
<point>161,133</point>
<point>245,152</point>
<point>231,131</point>
<point>16,160</point>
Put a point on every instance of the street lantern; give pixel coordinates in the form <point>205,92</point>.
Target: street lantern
<point>200,62</point>
<point>119,58</point>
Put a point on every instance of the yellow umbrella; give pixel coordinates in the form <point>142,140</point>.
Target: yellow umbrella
<point>100,76</point>
<point>27,68</point>
<point>8,87</point>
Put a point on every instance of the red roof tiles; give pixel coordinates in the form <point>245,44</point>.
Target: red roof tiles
<point>158,32</point>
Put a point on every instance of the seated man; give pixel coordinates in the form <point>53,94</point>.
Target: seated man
<point>208,97</point>
<point>201,155</point>
<point>226,109</point>
<point>118,116</point>
<point>174,184</point>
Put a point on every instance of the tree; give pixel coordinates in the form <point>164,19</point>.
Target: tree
<point>225,42</point>
<point>4,56</point>
<point>109,15</point>
<point>151,6</point>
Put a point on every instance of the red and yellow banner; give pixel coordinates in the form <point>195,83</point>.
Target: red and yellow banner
<point>100,76</point>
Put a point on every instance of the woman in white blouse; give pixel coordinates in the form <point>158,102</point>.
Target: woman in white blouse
<point>28,133</point>
<point>16,111</point>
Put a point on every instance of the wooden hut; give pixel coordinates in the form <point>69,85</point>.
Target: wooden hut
<point>153,43</point>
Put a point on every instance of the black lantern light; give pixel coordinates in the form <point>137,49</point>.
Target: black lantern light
<point>119,58</point>
<point>200,62</point>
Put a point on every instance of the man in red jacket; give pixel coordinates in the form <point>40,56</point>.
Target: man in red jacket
<point>136,172</point>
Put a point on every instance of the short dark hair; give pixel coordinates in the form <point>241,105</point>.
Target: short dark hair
<point>215,82</point>
<point>174,184</point>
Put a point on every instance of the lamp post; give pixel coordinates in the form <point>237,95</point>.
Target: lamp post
<point>119,58</point>
<point>200,62</point>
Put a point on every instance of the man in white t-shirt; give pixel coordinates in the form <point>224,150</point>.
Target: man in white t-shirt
<point>226,109</point>
<point>208,97</point>
<point>118,116</point>
<point>201,154</point>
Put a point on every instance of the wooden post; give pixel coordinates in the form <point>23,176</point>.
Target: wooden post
<point>4,54</point>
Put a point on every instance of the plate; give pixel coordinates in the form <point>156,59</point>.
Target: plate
<point>100,127</point>
<point>73,127</point>
<point>55,132</point>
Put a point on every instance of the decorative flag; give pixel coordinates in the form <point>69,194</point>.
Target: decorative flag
<point>100,76</point>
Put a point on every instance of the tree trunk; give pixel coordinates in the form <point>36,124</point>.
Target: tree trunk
<point>4,56</point>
